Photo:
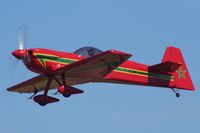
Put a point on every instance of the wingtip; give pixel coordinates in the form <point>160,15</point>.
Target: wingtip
<point>8,89</point>
<point>120,52</point>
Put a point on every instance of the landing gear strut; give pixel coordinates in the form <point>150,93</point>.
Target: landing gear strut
<point>177,93</point>
<point>62,86</point>
<point>66,90</point>
<point>35,92</point>
<point>64,83</point>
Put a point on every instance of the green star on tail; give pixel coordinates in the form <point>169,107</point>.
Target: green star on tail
<point>181,73</point>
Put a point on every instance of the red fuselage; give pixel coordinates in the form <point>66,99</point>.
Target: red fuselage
<point>46,62</point>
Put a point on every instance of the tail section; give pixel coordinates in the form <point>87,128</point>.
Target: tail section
<point>181,75</point>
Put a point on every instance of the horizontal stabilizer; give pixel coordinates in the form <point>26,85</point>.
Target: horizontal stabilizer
<point>167,66</point>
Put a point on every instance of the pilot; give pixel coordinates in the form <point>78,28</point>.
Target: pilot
<point>91,52</point>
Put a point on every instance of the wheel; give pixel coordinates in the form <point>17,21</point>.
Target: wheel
<point>66,94</point>
<point>43,103</point>
<point>177,94</point>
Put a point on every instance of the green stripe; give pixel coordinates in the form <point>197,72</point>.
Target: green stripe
<point>149,74</point>
<point>65,60</point>
<point>42,58</point>
<point>46,57</point>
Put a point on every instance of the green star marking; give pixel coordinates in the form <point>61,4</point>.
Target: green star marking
<point>181,73</point>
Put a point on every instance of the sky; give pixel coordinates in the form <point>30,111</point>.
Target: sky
<point>142,28</point>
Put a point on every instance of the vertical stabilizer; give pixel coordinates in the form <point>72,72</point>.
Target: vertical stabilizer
<point>181,75</point>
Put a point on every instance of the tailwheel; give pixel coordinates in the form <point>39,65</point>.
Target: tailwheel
<point>177,93</point>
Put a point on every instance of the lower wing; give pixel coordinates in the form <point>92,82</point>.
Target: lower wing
<point>39,83</point>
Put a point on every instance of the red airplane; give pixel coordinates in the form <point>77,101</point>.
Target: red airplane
<point>63,70</point>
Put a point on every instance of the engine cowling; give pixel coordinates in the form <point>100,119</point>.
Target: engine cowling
<point>67,91</point>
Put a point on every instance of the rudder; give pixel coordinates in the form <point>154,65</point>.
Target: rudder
<point>181,76</point>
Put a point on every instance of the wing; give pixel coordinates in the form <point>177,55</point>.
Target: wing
<point>39,82</point>
<point>96,66</point>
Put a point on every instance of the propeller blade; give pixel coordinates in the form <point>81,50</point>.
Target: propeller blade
<point>22,33</point>
<point>13,64</point>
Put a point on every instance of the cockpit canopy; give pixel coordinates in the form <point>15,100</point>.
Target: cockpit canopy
<point>87,51</point>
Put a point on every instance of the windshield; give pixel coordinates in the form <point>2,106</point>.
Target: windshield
<point>87,51</point>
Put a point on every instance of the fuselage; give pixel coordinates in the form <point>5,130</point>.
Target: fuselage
<point>46,61</point>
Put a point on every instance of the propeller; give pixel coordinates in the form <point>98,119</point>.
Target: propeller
<point>22,53</point>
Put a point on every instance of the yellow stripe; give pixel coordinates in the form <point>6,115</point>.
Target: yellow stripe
<point>38,59</point>
<point>139,74</point>
<point>131,73</point>
<point>54,61</point>
<point>69,59</point>
<point>46,54</point>
<point>133,69</point>
<point>51,60</point>
<point>56,56</point>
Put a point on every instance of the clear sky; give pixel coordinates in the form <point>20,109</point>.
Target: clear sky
<point>141,27</point>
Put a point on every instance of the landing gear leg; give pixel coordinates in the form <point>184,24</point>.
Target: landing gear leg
<point>43,102</point>
<point>43,99</point>
<point>64,84</point>
<point>177,94</point>
<point>63,80</point>
<point>58,82</point>
<point>35,92</point>
<point>47,86</point>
